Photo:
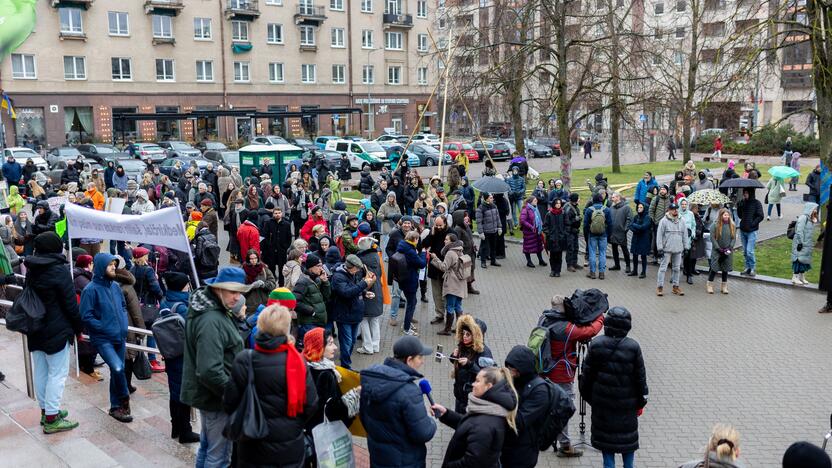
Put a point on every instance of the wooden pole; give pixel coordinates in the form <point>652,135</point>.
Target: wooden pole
<point>451,47</point>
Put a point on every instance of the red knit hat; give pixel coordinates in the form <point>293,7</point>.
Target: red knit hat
<point>140,252</point>
<point>83,261</point>
<point>313,344</point>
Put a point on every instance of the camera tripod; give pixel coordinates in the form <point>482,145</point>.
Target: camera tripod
<point>581,351</point>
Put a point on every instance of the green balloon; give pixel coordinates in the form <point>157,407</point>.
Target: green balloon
<point>17,21</point>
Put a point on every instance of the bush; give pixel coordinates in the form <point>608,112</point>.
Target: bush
<point>768,140</point>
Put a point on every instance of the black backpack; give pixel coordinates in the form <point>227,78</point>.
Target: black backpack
<point>398,267</point>
<point>27,314</point>
<point>208,250</point>
<point>561,408</point>
<point>790,230</point>
<point>584,306</point>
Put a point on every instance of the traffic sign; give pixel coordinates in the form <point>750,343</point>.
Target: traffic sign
<point>642,117</point>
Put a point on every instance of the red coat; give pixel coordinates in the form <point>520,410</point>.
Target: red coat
<point>564,341</point>
<point>717,145</point>
<point>306,230</point>
<point>249,238</point>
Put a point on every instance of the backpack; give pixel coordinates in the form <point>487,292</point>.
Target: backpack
<point>336,224</point>
<point>27,314</point>
<point>398,267</point>
<point>560,409</point>
<point>598,222</point>
<point>208,251</point>
<point>790,230</point>
<point>463,267</point>
<point>584,306</point>
<point>541,345</point>
<point>169,331</point>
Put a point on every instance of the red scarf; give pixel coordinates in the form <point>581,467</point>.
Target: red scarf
<point>556,211</point>
<point>295,377</point>
<point>252,271</point>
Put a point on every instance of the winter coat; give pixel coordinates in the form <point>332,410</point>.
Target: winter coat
<point>348,295</point>
<point>465,375</point>
<point>291,273</point>
<point>211,219</point>
<point>370,258</point>
<point>621,216</point>
<point>306,230</point>
<point>284,445</point>
<point>12,172</point>
<point>588,219</point>
<point>464,233</point>
<point>415,262</point>
<point>520,449</point>
<point>204,271</point>
<point>517,187</point>
<point>701,184</point>
<point>532,240</point>
<point>722,262</point>
<point>146,283</point>
<point>555,230</point>
<point>388,216</point>
<point>813,182</point>
<point>643,189</point>
<point>435,243</point>
<point>81,277</point>
<point>249,238</point>
<point>173,367</point>
<point>478,438</point>
<point>564,337</point>
<point>671,234</point>
<point>488,218</point>
<point>277,238</point>
<point>344,169</point>
<point>48,275</point>
<point>312,297</point>
<point>211,343</point>
<point>614,383</point>
<point>658,207</point>
<point>804,233</point>
<point>750,213</point>
<point>134,311</point>
<point>365,185</point>
<point>640,243</point>
<point>44,222</point>
<point>690,226</point>
<point>572,218</point>
<point>451,266</point>
<point>774,186</point>
<point>103,307</point>
<point>257,296</point>
<point>394,415</point>
<point>713,462</point>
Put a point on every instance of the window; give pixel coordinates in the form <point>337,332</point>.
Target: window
<point>241,72</point>
<point>680,33</point>
<point>394,75</point>
<point>71,20</point>
<point>678,58</point>
<point>659,33</point>
<point>274,2</point>
<point>442,23</point>
<point>681,5</point>
<point>336,5</point>
<point>307,35</point>
<point>239,31</point>
<point>366,6</point>
<point>23,67</point>
<point>367,39</point>
<point>276,72</point>
<point>337,37</point>
<point>339,73</point>
<point>714,29</point>
<point>711,55</point>
<point>204,70</point>
<point>118,23</point>
<point>393,7</point>
<point>368,75</point>
<point>658,9</point>
<point>307,73</point>
<point>275,33</point>
<point>202,29</point>
<point>162,27</point>
<point>657,59</point>
<point>791,107</point>
<point>164,70</point>
<point>121,68</point>
<point>422,9</point>
<point>75,68</point>
<point>393,40</point>
<point>422,75</point>
<point>422,40</point>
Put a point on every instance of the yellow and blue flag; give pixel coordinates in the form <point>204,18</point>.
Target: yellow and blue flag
<point>6,105</point>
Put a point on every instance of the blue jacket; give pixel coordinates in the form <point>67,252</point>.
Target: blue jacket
<point>588,218</point>
<point>12,172</point>
<point>103,308</point>
<point>642,233</point>
<point>517,184</point>
<point>120,182</point>
<point>348,296</point>
<point>467,193</point>
<point>173,367</point>
<point>147,285</point>
<point>394,414</point>
<point>642,189</point>
<point>415,262</point>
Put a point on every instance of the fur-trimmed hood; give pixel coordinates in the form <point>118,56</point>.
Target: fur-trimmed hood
<point>467,322</point>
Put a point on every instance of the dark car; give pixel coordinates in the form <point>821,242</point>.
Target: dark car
<point>225,158</point>
<point>206,145</point>
<point>302,143</point>
<point>179,148</point>
<point>333,158</point>
<point>551,143</point>
<point>539,151</point>
<point>428,155</point>
<point>497,150</point>
<point>97,152</point>
<point>64,153</point>
<point>167,165</point>
<point>133,167</point>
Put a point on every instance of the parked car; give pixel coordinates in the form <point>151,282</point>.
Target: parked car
<point>206,145</point>
<point>392,138</point>
<point>551,143</point>
<point>55,171</point>
<point>97,152</point>
<point>497,150</point>
<point>64,153</point>
<point>394,149</point>
<point>150,150</point>
<point>428,138</point>
<point>167,165</point>
<point>354,138</point>
<point>269,140</point>
<point>302,143</point>
<point>225,158</point>
<point>455,147</point>
<point>179,148</point>
<point>539,151</point>
<point>133,167</point>
<point>428,155</point>
<point>332,158</point>
<point>21,154</point>
<point>361,154</point>
<point>320,142</point>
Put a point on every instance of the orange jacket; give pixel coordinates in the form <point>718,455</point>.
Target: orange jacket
<point>96,197</point>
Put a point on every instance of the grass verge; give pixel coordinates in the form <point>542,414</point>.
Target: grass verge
<point>774,258</point>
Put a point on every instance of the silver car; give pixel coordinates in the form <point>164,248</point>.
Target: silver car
<point>179,148</point>
<point>150,150</point>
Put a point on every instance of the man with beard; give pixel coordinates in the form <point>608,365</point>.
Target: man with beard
<point>312,291</point>
<point>277,238</point>
<point>435,242</point>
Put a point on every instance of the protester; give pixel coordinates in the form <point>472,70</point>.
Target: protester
<point>312,291</point>
<point>392,407</point>
<point>454,281</point>
<point>813,183</point>
<point>640,242</point>
<point>598,225</point>
<point>806,455</point>
<point>531,224</point>
<point>520,448</point>
<point>670,241</point>
<point>248,234</point>
<point>775,192</point>
<point>211,343</point>
<point>81,277</point>
<point>370,327</point>
<point>658,208</point>
<point>127,283</point>
<point>284,388</point>
<point>277,238</point>
<point>409,285</point>
<point>149,294</point>
<point>621,217</point>
<point>803,244</point>
<point>489,227</point>
<point>259,278</point>
<point>723,449</point>
<point>470,347</point>
<point>750,212</point>
<point>350,282</point>
<point>555,233</point>
<point>205,252</point>
<point>723,236</point>
<point>572,221</point>
<point>434,242</point>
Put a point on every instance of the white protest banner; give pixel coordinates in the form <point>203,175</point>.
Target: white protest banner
<point>115,205</point>
<point>162,227</point>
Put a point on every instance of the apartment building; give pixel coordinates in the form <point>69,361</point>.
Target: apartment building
<point>88,60</point>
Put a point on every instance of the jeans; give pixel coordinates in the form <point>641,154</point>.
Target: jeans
<point>563,437</point>
<point>113,355</point>
<point>515,209</point>
<point>675,259</point>
<point>395,299</point>
<point>597,245</point>
<point>609,459</point>
<point>453,304</point>
<point>770,206</point>
<point>371,334</point>
<point>749,240</point>
<point>410,308</point>
<point>347,333</point>
<point>214,449</point>
<point>50,376</point>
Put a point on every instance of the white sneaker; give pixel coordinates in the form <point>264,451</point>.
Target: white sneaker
<point>768,218</point>
<point>803,278</point>
<point>796,280</point>
<point>363,351</point>
<point>410,332</point>
<point>779,216</point>
<point>376,350</point>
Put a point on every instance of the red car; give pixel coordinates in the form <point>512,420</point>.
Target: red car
<point>455,147</point>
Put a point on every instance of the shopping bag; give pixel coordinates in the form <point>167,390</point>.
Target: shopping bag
<point>333,445</point>
<point>141,366</point>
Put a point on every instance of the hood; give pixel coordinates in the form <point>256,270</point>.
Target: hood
<point>13,190</point>
<point>808,208</point>
<point>37,263</point>
<point>380,382</point>
<point>125,277</point>
<point>617,323</point>
<point>501,394</point>
<point>521,358</point>
<point>455,245</point>
<point>332,255</point>
<point>458,217</point>
<point>204,300</point>
<point>466,322</point>
<point>141,193</point>
<point>100,263</point>
<point>340,205</point>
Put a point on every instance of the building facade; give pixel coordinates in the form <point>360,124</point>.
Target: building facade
<point>88,60</point>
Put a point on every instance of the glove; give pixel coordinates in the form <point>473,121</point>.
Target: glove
<point>257,284</point>
<point>799,247</point>
<point>499,232</point>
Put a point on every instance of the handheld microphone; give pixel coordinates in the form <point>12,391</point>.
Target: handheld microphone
<point>424,385</point>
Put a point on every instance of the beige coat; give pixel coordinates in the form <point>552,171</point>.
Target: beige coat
<point>452,268</point>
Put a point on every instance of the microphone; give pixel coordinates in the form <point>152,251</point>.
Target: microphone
<point>424,386</point>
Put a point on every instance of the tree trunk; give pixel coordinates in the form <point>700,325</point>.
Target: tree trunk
<point>690,91</point>
<point>615,110</point>
<point>561,108</point>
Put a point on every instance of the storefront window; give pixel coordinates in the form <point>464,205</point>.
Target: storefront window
<point>277,126</point>
<point>309,122</point>
<point>78,125</point>
<point>167,129</point>
<point>340,123</point>
<point>124,130</point>
<point>206,127</point>
<point>29,127</point>
<point>243,130</point>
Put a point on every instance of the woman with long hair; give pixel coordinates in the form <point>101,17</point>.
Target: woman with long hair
<point>722,451</point>
<point>723,238</point>
<point>531,224</point>
<point>260,278</point>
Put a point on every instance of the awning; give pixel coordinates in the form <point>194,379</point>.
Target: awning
<point>240,47</point>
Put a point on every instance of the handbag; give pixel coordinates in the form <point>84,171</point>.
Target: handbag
<point>141,366</point>
<point>333,444</point>
<point>247,422</point>
<point>150,312</point>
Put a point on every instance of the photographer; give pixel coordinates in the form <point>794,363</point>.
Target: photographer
<point>349,283</point>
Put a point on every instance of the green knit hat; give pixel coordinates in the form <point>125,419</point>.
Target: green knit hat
<point>283,297</point>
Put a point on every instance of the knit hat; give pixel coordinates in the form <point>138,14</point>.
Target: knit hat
<point>83,261</point>
<point>313,344</point>
<point>190,204</point>
<point>805,455</point>
<point>132,184</point>
<point>312,260</point>
<point>206,202</point>
<point>282,296</point>
<point>175,280</point>
<point>364,228</point>
<point>196,216</point>
<point>48,243</point>
<point>140,252</point>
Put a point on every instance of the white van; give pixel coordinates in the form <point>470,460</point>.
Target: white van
<point>361,153</point>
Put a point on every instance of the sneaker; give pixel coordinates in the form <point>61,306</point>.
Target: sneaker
<point>660,291</point>
<point>393,323</point>
<point>59,425</point>
<point>744,272</point>
<point>768,218</point>
<point>121,414</point>
<point>752,273</point>
<point>410,332</point>
<point>363,351</point>
<point>571,269</point>
<point>156,367</point>
<point>61,415</point>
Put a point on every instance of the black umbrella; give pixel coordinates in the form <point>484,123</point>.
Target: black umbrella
<point>741,183</point>
<point>491,184</point>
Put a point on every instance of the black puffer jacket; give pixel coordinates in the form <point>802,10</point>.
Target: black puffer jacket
<point>478,438</point>
<point>520,450</point>
<point>614,383</point>
<point>750,212</point>
<point>49,276</point>
<point>284,445</point>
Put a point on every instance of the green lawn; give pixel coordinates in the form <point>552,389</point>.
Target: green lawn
<point>774,258</point>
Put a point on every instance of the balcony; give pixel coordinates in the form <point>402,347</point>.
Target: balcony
<point>163,7</point>
<point>310,15</point>
<point>72,36</point>
<point>308,48</point>
<point>71,3</point>
<point>164,40</point>
<point>796,76</point>
<point>247,10</point>
<point>392,20</point>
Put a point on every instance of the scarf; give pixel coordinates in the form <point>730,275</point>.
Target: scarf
<point>556,211</point>
<point>252,271</point>
<point>295,377</point>
<point>477,405</point>
<point>253,199</point>
<point>538,223</point>
<point>325,364</point>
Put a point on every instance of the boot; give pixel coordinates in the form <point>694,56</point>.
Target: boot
<point>529,264</point>
<point>471,289</point>
<point>449,321</point>
<point>122,413</point>
<point>541,262</point>
<point>826,309</point>
<point>571,269</point>
<point>678,291</point>
<point>633,272</point>
<point>690,279</point>
<point>796,280</point>
<point>437,320</point>
<point>423,298</point>
<point>186,433</point>
<point>627,270</point>
<point>660,291</point>
<point>803,279</point>
<point>725,288</point>
<point>591,275</point>
<point>174,419</point>
<point>601,275</point>
<point>709,287</point>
